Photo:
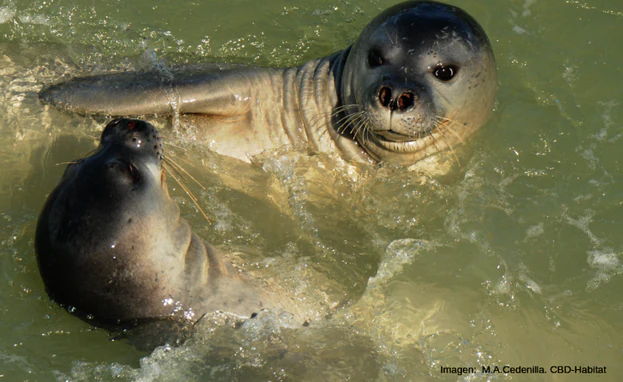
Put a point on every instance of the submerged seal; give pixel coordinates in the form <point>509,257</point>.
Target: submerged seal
<point>111,245</point>
<point>420,78</point>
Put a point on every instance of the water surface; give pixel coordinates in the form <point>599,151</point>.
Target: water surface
<point>513,258</point>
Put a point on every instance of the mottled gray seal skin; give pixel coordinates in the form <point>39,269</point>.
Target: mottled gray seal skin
<point>111,245</point>
<point>421,78</point>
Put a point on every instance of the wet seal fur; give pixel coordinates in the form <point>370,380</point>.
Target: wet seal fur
<point>421,78</point>
<point>112,247</point>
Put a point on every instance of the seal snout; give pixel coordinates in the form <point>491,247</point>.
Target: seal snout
<point>138,135</point>
<point>396,100</point>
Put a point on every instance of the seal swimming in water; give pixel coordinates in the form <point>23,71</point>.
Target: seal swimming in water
<point>111,245</point>
<point>421,78</point>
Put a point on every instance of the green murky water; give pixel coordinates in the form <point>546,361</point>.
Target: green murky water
<point>514,258</point>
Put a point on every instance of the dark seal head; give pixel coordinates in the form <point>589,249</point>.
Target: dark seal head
<point>420,78</point>
<point>111,245</point>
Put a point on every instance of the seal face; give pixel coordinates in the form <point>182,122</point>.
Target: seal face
<point>421,78</point>
<point>111,245</point>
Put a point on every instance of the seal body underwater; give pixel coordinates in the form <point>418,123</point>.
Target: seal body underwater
<point>111,245</point>
<point>420,78</point>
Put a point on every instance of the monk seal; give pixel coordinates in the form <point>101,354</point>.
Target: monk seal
<point>420,78</point>
<point>112,248</point>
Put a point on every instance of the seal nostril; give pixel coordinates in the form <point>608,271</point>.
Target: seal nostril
<point>406,100</point>
<point>385,96</point>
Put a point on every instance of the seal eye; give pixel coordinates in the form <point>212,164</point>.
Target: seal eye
<point>375,59</point>
<point>445,73</point>
<point>134,174</point>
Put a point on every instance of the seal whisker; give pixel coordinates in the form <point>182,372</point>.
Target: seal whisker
<point>343,123</point>
<point>361,125</point>
<point>338,110</point>
<point>364,127</point>
<point>313,121</point>
<point>171,144</point>
<point>181,169</point>
<point>352,121</point>
<point>443,136</point>
<point>360,120</point>
<point>165,160</point>
<point>434,141</point>
<point>172,168</point>
<point>188,192</point>
<point>342,108</point>
<point>368,133</point>
<point>317,120</point>
<point>180,159</point>
<point>354,126</point>
<point>343,127</point>
<point>350,118</point>
<point>453,132</point>
<point>449,128</point>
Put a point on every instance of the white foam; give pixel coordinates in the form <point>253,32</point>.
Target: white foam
<point>604,259</point>
<point>6,14</point>
<point>398,254</point>
<point>607,263</point>
<point>33,19</point>
<point>535,230</point>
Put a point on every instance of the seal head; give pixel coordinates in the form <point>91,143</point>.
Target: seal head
<point>420,78</point>
<point>111,245</point>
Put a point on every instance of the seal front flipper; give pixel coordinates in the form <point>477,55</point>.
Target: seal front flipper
<point>218,93</point>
